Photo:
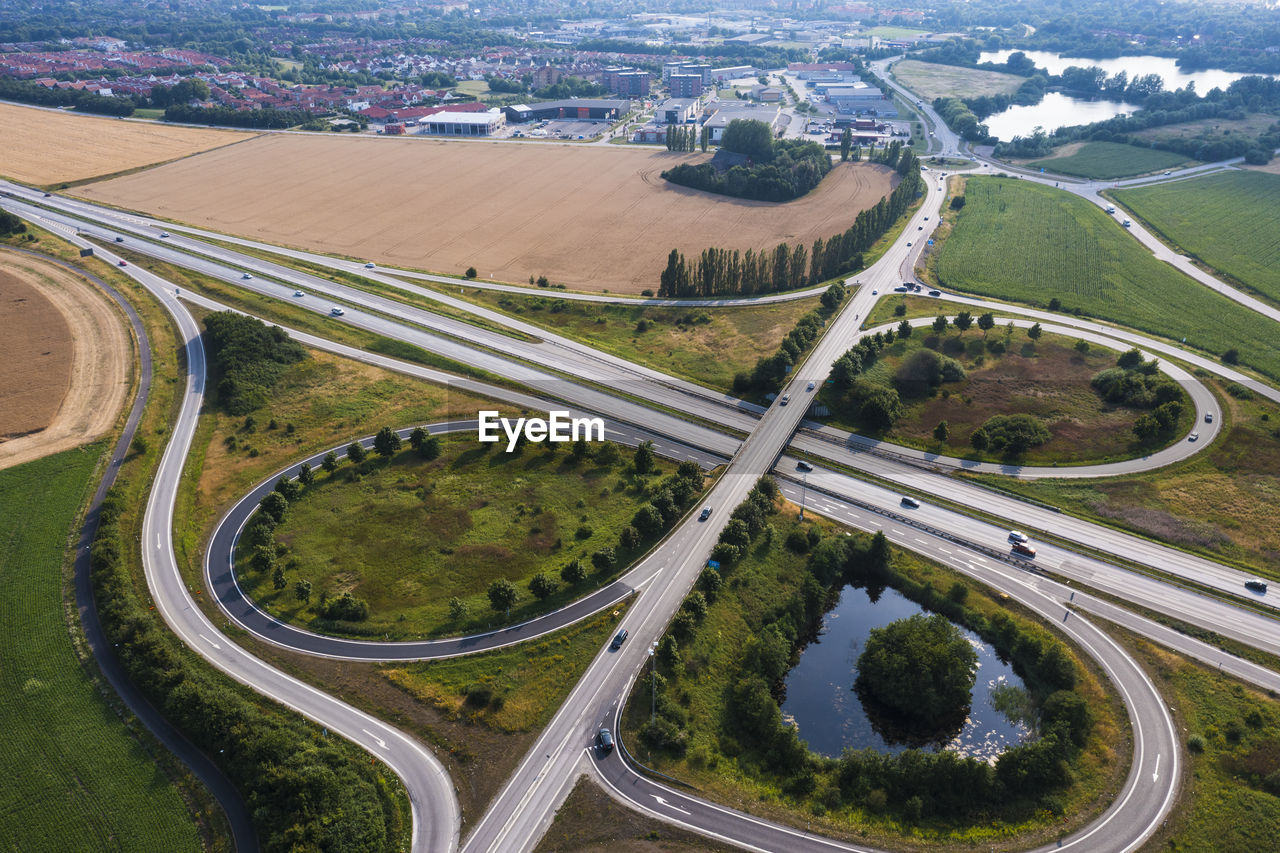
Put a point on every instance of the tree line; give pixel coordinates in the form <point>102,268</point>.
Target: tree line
<point>250,357</point>
<point>25,92</point>
<point>785,170</point>
<point>265,118</point>
<point>771,370</point>
<point>723,272</point>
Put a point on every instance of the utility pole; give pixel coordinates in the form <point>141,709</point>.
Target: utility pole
<point>653,681</point>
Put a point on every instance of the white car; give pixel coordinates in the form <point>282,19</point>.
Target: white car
<point>1018,536</point>
<point>1195,436</point>
<point>246,276</point>
<point>370,265</point>
<point>299,293</point>
<point>164,233</point>
<point>336,311</point>
<point>786,398</point>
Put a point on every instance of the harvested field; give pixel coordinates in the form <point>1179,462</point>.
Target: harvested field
<point>64,360</point>
<point>45,147</point>
<point>930,80</point>
<point>591,218</point>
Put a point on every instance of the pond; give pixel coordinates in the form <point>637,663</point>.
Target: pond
<point>1058,110</point>
<point>821,701</point>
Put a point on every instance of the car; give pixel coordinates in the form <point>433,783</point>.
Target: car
<point>299,293</point>
<point>803,466</point>
<point>918,228</point>
<point>370,265</point>
<point>935,292</point>
<point>164,233</point>
<point>908,245</point>
<point>1255,585</point>
<point>875,293</point>
<point>902,288</point>
<point>604,740</point>
<point>786,398</point>
<point>907,500</point>
<point>619,638</point>
<point>811,386</point>
<point>1168,173</point>
<point>119,239</point>
<point>926,219</point>
<point>1195,436</point>
<point>1018,536</point>
<point>706,513</point>
<point>1208,417</point>
<point>123,264</point>
<point>246,276</point>
<point>1127,223</point>
<point>336,311</point>
<point>1024,549</point>
<point>46,195</point>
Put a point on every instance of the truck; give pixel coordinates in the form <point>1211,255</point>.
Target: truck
<point>1111,208</point>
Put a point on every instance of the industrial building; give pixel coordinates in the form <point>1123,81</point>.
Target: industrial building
<point>576,108</point>
<point>462,124</point>
<point>861,98</point>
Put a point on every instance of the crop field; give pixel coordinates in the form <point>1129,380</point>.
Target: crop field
<point>1107,160</point>
<point>408,536</point>
<point>591,218</point>
<point>65,359</point>
<point>930,80</point>
<point>1027,243</point>
<point>47,147</point>
<point>1230,221</point>
<point>1210,129</point>
<point>75,779</point>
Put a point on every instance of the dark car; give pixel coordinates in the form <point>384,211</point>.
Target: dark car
<point>619,639</point>
<point>804,466</point>
<point>119,239</point>
<point>1255,586</point>
<point>907,500</point>
<point>935,292</point>
<point>706,513</point>
<point>604,740</point>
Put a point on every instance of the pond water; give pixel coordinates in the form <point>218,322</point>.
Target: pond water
<point>1055,111</point>
<point>1058,110</point>
<point>830,717</point>
<point>1135,66</point>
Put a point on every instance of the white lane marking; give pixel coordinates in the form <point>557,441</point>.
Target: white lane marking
<point>210,642</point>
<point>1156,775</point>
<point>663,802</point>
<point>382,744</point>
<point>157,541</point>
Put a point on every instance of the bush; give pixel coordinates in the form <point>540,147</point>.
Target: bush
<point>346,608</point>
<point>250,356</point>
<point>1195,744</point>
<point>1011,434</point>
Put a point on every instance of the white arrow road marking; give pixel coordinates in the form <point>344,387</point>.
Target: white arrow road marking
<point>1156,775</point>
<point>210,642</point>
<point>663,802</point>
<point>382,744</point>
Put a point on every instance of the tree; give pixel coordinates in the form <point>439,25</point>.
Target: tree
<point>458,609</point>
<point>904,329</point>
<point>579,449</point>
<point>302,591</point>
<point>846,144</point>
<point>705,138</point>
<point>644,460</point>
<point>1082,346</point>
<point>386,442</point>
<point>1034,332</point>
<point>942,431</point>
<point>1231,356</point>
<point>417,437</point>
<point>940,323</point>
<point>963,321</point>
<point>922,668</point>
<point>573,573</point>
<point>986,322</point>
<point>275,505</point>
<point>471,272</point>
<point>542,586</point>
<point>306,476</point>
<point>356,452</point>
<point>502,594</point>
<point>330,462</point>
<point>430,448</point>
<point>604,559</point>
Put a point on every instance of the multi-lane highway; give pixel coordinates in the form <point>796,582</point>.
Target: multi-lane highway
<point>547,364</point>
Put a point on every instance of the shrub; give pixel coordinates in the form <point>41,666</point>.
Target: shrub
<point>1195,744</point>
<point>471,272</point>
<point>346,608</point>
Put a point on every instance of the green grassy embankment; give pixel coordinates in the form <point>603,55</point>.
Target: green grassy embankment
<point>1022,242</point>
<point>76,777</point>
<point>1106,160</point>
<point>1229,221</point>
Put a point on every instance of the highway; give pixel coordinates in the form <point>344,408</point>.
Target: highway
<point>524,808</point>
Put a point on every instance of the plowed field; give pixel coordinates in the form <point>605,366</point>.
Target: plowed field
<point>45,147</point>
<point>590,218</point>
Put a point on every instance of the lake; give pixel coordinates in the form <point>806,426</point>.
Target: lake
<point>1055,111</point>
<point>822,703</point>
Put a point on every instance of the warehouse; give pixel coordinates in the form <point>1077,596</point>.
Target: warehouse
<point>578,108</point>
<point>462,124</point>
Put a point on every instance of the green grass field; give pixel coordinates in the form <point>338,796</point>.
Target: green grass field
<point>930,80</point>
<point>704,345</point>
<point>1107,160</point>
<point>1027,243</point>
<point>409,536</point>
<point>75,779</point>
<point>1230,221</point>
<point>1048,379</point>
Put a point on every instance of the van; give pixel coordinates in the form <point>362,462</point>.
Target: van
<point>907,500</point>
<point>1255,585</point>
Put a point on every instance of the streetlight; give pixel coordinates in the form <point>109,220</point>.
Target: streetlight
<point>804,487</point>
<point>653,681</point>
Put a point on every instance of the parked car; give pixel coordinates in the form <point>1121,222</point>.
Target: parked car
<point>619,639</point>
<point>604,740</point>
<point>1024,549</point>
<point>907,500</point>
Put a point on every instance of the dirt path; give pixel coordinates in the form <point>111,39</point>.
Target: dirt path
<point>65,377</point>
